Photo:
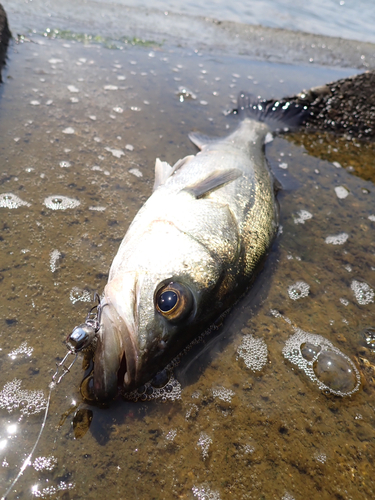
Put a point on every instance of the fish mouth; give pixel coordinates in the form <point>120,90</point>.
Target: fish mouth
<point>116,356</point>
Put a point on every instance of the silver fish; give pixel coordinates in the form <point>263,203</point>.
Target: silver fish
<point>190,252</point>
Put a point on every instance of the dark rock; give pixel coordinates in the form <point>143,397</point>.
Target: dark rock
<point>346,106</point>
<point>5,35</point>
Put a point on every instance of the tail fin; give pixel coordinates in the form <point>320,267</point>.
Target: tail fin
<point>279,115</point>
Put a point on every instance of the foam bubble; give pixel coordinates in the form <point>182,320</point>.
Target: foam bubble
<point>204,443</point>
<point>78,295</point>
<point>68,130</point>
<point>303,215</point>
<point>288,496</point>
<point>299,290</point>
<point>51,490</point>
<point>338,239</point>
<point>54,257</point>
<point>171,435</point>
<point>169,392</point>
<point>24,350</point>
<point>369,337</point>
<point>320,457</point>
<point>323,363</point>
<point>58,202</point>
<point>253,351</point>
<point>341,192</point>
<point>45,463</point>
<point>65,164</point>
<point>204,492</point>
<point>97,209</point>
<point>73,89</point>
<point>13,398</point>
<point>223,394</point>
<point>136,172</point>
<point>117,153</point>
<point>9,200</point>
<point>363,293</point>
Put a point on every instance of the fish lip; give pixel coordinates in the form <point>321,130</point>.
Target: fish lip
<point>116,341</point>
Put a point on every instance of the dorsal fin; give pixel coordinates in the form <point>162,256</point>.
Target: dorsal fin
<point>213,181</point>
<point>163,170</point>
<point>181,162</point>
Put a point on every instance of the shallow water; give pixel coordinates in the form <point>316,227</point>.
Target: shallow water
<point>345,19</point>
<point>86,123</point>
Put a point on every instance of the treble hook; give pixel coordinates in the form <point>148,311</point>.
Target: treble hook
<point>81,337</point>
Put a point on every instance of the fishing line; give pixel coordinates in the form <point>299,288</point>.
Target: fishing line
<point>27,461</point>
<point>81,337</point>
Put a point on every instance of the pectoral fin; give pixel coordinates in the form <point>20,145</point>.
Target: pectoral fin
<point>213,181</point>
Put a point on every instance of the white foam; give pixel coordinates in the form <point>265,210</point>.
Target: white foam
<point>337,239</point>
<point>65,164</point>
<point>45,463</point>
<point>57,202</point>
<point>363,293</point>
<point>68,130</point>
<point>24,349</point>
<point>73,89</point>
<point>204,492</point>
<point>78,295</point>
<point>253,351</point>
<point>292,352</point>
<point>54,257</point>
<point>204,443</point>
<point>9,200</point>
<point>341,192</point>
<point>223,394</point>
<point>115,152</point>
<point>13,398</point>
<point>303,215</point>
<point>136,172</point>
<point>299,290</point>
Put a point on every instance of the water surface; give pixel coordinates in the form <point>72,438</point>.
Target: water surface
<point>80,127</point>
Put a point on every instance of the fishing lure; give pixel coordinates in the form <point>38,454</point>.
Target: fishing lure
<point>81,338</point>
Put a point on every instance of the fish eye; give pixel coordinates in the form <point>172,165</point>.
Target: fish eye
<point>174,301</point>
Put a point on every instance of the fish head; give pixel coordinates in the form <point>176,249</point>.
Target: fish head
<point>153,306</point>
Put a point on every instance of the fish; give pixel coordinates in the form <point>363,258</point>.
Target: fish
<point>192,250</point>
